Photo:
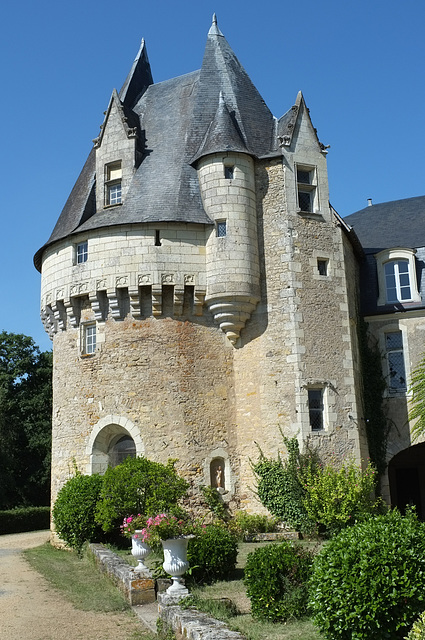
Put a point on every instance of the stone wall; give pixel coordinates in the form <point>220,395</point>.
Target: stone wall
<point>171,379</point>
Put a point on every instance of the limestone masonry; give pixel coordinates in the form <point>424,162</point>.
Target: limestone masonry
<point>201,293</point>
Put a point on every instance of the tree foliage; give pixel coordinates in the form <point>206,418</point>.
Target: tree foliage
<point>417,402</point>
<point>25,421</point>
<point>138,485</point>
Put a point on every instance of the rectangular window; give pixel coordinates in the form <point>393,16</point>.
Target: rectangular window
<point>113,180</point>
<point>114,193</point>
<point>315,409</point>
<point>322,267</point>
<point>229,172</point>
<point>82,252</point>
<point>395,361</point>
<point>397,280</point>
<point>221,229</point>
<point>89,338</point>
<point>306,188</point>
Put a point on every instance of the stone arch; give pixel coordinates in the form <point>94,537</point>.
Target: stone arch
<point>406,474</point>
<point>105,434</point>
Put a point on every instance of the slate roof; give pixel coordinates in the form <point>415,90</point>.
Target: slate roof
<point>214,109</point>
<point>399,223</point>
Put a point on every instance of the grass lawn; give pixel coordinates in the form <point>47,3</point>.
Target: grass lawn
<point>208,599</point>
<point>78,579</point>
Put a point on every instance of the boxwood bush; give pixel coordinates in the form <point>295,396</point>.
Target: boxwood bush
<point>211,554</point>
<point>276,577</point>
<point>74,510</point>
<point>369,581</point>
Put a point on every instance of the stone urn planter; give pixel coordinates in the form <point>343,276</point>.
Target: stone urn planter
<point>175,563</point>
<point>139,550</point>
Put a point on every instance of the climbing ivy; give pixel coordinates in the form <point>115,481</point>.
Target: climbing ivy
<point>417,401</point>
<point>373,386</point>
<point>281,486</point>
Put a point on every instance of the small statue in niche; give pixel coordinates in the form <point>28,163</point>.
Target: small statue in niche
<point>219,477</point>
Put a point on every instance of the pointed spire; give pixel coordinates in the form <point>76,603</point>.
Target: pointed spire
<point>139,78</point>
<point>223,133</point>
<point>214,30</point>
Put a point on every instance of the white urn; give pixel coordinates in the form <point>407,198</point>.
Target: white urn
<point>139,550</point>
<point>175,563</point>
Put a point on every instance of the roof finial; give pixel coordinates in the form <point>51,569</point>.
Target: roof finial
<point>214,30</point>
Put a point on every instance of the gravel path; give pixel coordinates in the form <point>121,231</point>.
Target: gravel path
<point>30,608</point>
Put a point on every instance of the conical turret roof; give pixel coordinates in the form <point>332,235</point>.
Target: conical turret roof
<point>214,109</point>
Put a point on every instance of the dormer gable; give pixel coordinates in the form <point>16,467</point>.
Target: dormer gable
<point>295,127</point>
<point>116,154</point>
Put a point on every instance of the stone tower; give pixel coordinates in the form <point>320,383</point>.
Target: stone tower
<point>199,290</point>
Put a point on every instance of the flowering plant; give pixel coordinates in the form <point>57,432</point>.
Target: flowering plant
<point>131,524</point>
<point>162,527</point>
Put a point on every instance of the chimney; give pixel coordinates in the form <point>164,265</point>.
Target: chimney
<point>369,202</point>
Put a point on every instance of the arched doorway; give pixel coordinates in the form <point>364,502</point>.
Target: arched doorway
<point>113,440</point>
<point>406,473</point>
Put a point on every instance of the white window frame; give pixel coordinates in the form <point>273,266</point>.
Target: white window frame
<point>113,182</point>
<point>88,338</point>
<point>396,255</point>
<point>81,252</point>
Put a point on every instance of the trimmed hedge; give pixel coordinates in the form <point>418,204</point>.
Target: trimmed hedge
<point>276,577</point>
<point>369,581</point>
<point>24,519</point>
<point>74,510</point>
<point>211,554</point>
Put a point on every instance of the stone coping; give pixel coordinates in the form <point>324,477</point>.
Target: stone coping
<point>141,589</point>
<point>190,624</point>
<point>137,586</point>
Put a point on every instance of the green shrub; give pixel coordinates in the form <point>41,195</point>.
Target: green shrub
<point>245,524</point>
<point>276,577</point>
<point>138,485</point>
<point>211,554</point>
<point>74,510</point>
<point>337,498</point>
<point>369,581</point>
<point>215,503</point>
<point>281,486</point>
<point>24,519</point>
<point>417,632</point>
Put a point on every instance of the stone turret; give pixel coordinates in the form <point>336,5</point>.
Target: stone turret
<point>226,176</point>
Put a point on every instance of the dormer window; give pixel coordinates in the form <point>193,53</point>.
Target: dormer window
<point>306,188</point>
<point>397,280</point>
<point>113,183</point>
<point>397,276</point>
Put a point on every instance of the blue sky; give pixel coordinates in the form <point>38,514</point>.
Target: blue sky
<point>359,65</point>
